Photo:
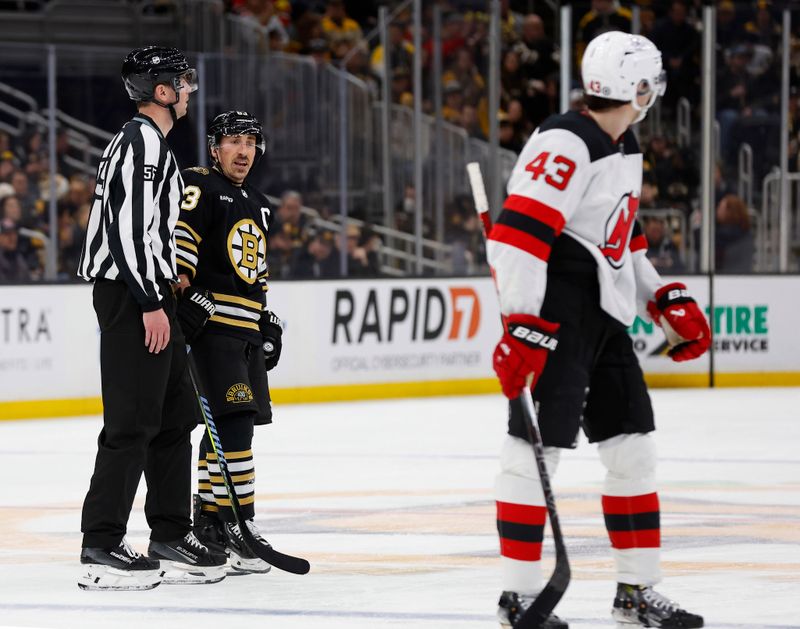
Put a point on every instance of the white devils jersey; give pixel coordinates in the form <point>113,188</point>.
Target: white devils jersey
<point>573,181</point>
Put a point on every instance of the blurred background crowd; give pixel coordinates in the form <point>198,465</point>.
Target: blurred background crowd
<point>304,244</point>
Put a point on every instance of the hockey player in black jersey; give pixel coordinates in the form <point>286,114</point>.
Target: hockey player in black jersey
<point>569,261</point>
<point>222,247</point>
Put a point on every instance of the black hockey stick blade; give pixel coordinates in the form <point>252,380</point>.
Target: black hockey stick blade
<point>551,594</point>
<point>282,561</point>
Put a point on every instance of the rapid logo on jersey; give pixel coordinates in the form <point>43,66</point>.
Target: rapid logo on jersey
<point>247,249</point>
<point>618,229</point>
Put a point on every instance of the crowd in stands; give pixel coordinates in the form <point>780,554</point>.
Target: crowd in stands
<point>748,100</point>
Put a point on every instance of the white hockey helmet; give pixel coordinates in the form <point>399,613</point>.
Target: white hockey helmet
<point>620,66</point>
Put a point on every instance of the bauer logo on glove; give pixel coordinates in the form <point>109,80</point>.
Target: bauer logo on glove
<point>532,337</point>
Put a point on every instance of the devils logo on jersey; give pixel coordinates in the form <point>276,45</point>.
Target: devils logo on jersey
<point>618,229</point>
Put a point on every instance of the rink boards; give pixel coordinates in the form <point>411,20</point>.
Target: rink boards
<point>362,339</point>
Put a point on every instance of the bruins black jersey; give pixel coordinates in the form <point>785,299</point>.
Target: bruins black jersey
<point>221,240</point>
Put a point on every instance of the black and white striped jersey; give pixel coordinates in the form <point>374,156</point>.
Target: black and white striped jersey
<point>130,234</point>
<point>222,246</point>
<point>573,190</point>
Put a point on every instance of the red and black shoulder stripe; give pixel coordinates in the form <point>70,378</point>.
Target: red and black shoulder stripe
<point>529,225</point>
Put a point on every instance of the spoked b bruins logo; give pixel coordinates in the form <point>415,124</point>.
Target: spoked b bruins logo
<point>247,249</point>
<point>239,393</point>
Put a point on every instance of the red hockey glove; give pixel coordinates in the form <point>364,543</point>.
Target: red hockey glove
<point>684,325</point>
<point>522,351</point>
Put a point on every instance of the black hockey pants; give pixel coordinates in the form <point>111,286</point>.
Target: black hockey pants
<point>149,412</point>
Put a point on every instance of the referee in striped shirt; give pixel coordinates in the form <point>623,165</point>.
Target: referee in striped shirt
<point>129,253</point>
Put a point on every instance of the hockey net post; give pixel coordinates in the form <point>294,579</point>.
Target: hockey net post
<point>288,563</point>
<point>554,589</point>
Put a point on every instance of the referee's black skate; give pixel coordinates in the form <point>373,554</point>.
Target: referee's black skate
<point>643,606</point>
<point>512,606</point>
<point>187,561</point>
<point>242,558</point>
<point>118,568</point>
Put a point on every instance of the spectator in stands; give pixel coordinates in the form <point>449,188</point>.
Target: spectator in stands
<point>279,255</point>
<point>464,73</point>
<point>453,97</point>
<point>523,126</point>
<point>319,50</point>
<point>401,86</point>
<point>470,122</point>
<point>5,141</point>
<point>537,54</point>
<point>401,50</point>
<point>26,196</point>
<point>362,255</point>
<point>290,219</point>
<point>538,59</point>
<point>359,66</point>
<point>319,260</point>
<point>679,42</point>
<point>13,268</point>
<point>764,29</point>
<point>669,167</point>
<point>730,30</point>
<point>661,249</point>
<point>734,94</point>
<point>8,165</point>
<point>511,79</point>
<point>62,154</point>
<point>11,208</point>
<point>733,238</point>
<point>70,241</point>
<point>649,195</point>
<point>509,139</point>
<point>604,16</point>
<point>306,27</point>
<point>338,27</point>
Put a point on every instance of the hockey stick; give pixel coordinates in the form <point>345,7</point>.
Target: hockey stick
<point>549,597</point>
<point>289,563</point>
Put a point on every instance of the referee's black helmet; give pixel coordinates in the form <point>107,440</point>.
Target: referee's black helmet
<point>144,68</point>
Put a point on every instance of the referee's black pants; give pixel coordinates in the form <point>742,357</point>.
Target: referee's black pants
<point>149,411</point>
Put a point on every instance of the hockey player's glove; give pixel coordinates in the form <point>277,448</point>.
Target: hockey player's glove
<point>684,325</point>
<point>523,350</point>
<point>195,308</point>
<point>271,331</point>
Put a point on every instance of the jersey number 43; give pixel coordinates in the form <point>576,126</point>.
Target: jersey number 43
<point>558,179</point>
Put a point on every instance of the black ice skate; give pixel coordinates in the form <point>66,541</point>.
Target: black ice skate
<point>643,606</point>
<point>188,561</point>
<point>208,528</point>
<point>512,605</point>
<point>242,558</point>
<point>119,568</point>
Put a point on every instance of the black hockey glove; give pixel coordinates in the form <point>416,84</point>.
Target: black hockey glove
<point>195,307</point>
<point>271,331</point>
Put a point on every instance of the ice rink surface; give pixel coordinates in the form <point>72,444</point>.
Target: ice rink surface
<point>391,502</point>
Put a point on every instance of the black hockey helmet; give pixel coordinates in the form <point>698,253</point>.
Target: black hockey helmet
<point>233,123</point>
<point>144,68</point>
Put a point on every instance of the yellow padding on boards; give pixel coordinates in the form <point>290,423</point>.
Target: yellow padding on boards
<point>36,409</point>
